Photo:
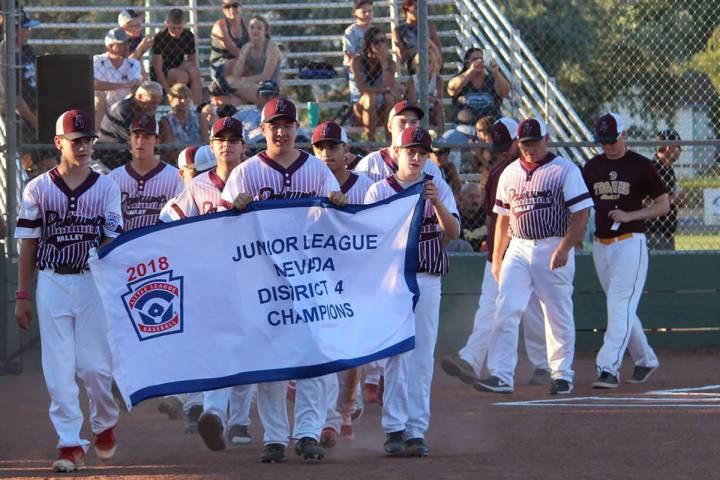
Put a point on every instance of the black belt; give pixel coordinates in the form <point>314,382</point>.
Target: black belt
<point>67,270</point>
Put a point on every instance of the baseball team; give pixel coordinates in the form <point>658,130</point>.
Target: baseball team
<point>538,205</point>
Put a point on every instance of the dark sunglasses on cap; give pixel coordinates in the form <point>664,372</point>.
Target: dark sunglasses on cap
<point>228,6</point>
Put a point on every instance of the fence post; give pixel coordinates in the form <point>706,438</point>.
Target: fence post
<point>392,8</point>
<point>192,7</point>
<point>515,72</point>
<point>422,43</point>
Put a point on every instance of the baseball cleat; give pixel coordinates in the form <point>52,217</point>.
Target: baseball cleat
<point>346,432</point>
<point>606,380</point>
<point>105,444</point>
<point>395,444</point>
<point>210,428</point>
<point>541,377</point>
<point>239,435</point>
<point>370,393</point>
<point>172,407</point>
<point>641,374</point>
<point>273,453</point>
<point>69,459</point>
<point>561,387</point>
<point>493,384</point>
<point>309,449</point>
<point>416,447</point>
<point>455,366</point>
<point>192,418</point>
<point>328,437</point>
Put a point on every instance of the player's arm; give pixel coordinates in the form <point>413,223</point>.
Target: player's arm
<point>660,206</point>
<point>500,244</point>
<point>448,222</point>
<point>26,272</point>
<point>112,213</point>
<point>573,235</point>
<point>157,65</point>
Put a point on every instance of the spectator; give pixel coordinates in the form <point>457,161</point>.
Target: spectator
<point>250,118</point>
<point>440,156</point>
<point>474,228</point>
<point>138,44</point>
<point>115,126</point>
<point>405,35</point>
<point>462,134</point>
<point>116,75</point>
<point>661,230</point>
<point>181,126</point>
<point>436,87</point>
<point>373,90</point>
<point>228,36</point>
<point>174,59</point>
<point>219,106</point>
<point>258,61</point>
<point>354,34</point>
<point>477,87</point>
<point>482,158</point>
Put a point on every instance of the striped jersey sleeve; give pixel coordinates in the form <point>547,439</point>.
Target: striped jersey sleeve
<point>577,196</point>
<point>29,222</point>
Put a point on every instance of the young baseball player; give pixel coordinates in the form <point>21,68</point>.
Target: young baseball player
<point>330,144</point>
<point>65,213</point>
<point>192,161</point>
<point>408,377</point>
<point>542,206</point>
<point>468,364</point>
<point>146,184</point>
<point>282,171</point>
<point>620,180</point>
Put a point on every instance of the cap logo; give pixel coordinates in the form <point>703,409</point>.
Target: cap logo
<point>527,128</point>
<point>604,127</point>
<point>327,130</point>
<point>79,121</point>
<point>497,136</point>
<point>418,135</point>
<point>228,122</point>
<point>280,106</point>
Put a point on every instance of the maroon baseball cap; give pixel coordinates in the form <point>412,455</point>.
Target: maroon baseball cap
<point>416,137</point>
<point>407,105</point>
<point>531,130</point>
<point>330,132</point>
<point>279,107</point>
<point>503,133</point>
<point>74,124</point>
<point>608,128</point>
<point>144,123</point>
<point>227,124</point>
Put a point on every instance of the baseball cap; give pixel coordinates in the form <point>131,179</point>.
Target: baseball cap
<point>503,133</point>
<point>531,130</point>
<point>277,108</point>
<point>26,21</point>
<point>329,131</point>
<point>200,156</point>
<point>406,105</point>
<point>416,136</point>
<point>359,3</point>
<point>408,4</point>
<point>227,124</point>
<point>144,123</point>
<point>74,124</point>
<point>668,134</point>
<point>116,35</point>
<point>127,15</point>
<point>268,86</point>
<point>608,128</point>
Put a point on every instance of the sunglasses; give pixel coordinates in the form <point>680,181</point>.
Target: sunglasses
<point>378,40</point>
<point>666,148</point>
<point>228,6</point>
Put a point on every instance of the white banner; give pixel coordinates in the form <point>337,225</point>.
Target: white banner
<point>285,289</point>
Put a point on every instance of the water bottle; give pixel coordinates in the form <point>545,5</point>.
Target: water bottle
<point>313,112</point>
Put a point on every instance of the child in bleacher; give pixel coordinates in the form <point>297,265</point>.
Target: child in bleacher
<point>353,37</point>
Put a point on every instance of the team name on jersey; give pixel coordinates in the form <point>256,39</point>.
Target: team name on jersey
<point>529,200</point>
<point>611,189</point>
<point>140,205</point>
<point>268,193</point>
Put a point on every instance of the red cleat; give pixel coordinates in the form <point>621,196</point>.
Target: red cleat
<point>105,444</point>
<point>69,459</point>
<point>370,393</point>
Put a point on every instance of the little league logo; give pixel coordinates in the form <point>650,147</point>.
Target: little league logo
<point>155,305</point>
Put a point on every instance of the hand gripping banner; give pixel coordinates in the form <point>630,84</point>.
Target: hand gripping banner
<point>284,289</point>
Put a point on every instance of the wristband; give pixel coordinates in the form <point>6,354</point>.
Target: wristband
<point>22,295</point>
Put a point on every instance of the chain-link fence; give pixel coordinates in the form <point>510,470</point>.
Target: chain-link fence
<point>652,61</point>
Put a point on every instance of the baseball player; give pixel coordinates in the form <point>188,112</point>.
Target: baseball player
<point>468,364</point>
<point>280,172</point>
<point>542,205</point>
<point>620,180</point>
<point>64,213</point>
<point>192,161</point>
<point>408,377</point>
<point>330,144</point>
<point>146,184</point>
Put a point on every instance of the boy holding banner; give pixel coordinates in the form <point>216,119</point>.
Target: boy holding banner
<point>406,407</point>
<point>283,172</point>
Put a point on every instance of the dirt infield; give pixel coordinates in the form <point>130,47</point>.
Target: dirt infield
<point>628,433</point>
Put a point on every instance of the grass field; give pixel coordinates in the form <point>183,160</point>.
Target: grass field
<point>697,242</point>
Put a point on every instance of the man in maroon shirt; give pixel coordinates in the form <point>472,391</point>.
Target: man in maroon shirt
<point>468,363</point>
<point>619,181</point>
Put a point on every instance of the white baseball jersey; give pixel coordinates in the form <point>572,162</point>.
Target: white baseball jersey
<point>264,179</point>
<point>201,196</point>
<point>104,70</point>
<point>68,223</point>
<point>433,257</point>
<point>143,196</point>
<point>355,187</point>
<point>379,165</point>
<point>540,199</point>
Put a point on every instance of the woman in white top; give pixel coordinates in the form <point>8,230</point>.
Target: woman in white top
<point>436,87</point>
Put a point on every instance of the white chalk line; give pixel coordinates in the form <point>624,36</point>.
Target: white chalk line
<point>615,405</point>
<point>682,391</point>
